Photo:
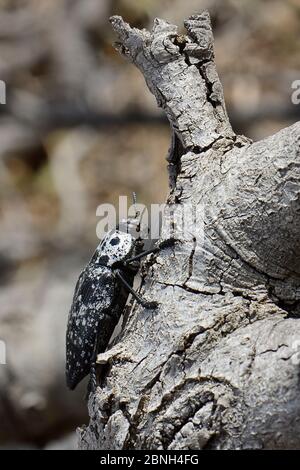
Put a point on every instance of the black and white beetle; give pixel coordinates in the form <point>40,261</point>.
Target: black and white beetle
<point>100,296</point>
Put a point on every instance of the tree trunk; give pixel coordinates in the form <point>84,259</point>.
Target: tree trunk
<point>216,365</point>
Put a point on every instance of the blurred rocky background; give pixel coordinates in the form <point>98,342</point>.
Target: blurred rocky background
<point>78,129</point>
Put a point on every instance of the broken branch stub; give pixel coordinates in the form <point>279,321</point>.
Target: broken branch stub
<point>181,73</point>
<point>215,366</point>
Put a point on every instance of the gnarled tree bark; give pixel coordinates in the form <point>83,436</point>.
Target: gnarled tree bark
<point>215,366</point>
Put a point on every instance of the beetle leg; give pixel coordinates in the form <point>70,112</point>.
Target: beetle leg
<point>92,385</point>
<point>93,377</point>
<point>137,297</point>
<point>156,249</point>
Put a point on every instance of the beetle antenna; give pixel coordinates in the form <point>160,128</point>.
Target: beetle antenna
<point>138,214</point>
<point>134,200</point>
<point>138,218</point>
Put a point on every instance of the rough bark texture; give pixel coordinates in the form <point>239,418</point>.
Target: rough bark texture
<point>213,366</point>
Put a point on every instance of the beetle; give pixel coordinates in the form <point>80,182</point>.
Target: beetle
<point>99,299</point>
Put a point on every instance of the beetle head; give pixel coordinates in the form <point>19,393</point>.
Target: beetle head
<point>115,246</point>
<point>133,224</point>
